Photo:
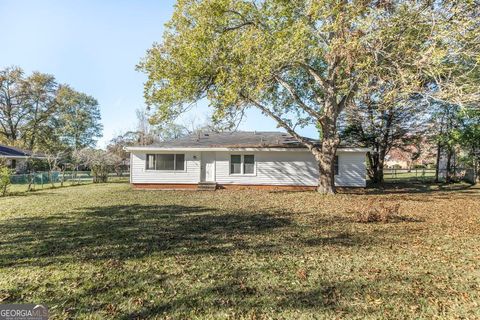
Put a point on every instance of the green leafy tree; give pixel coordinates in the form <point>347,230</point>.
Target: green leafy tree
<point>5,174</point>
<point>39,114</point>
<point>42,91</point>
<point>78,122</point>
<point>469,137</point>
<point>381,124</point>
<point>14,107</point>
<point>299,62</point>
<point>447,123</point>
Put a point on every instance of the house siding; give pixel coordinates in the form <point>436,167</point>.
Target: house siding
<point>271,168</point>
<point>291,168</point>
<point>352,170</point>
<point>191,174</point>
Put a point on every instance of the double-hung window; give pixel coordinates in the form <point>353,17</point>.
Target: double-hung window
<point>165,162</point>
<point>242,164</point>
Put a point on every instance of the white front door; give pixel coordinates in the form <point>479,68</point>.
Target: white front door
<point>208,167</point>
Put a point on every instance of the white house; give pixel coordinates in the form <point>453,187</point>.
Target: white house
<point>238,159</point>
<point>16,158</point>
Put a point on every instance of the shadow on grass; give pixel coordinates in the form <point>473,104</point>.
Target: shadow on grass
<point>113,234</point>
<point>122,232</point>
<point>418,187</point>
<point>334,298</point>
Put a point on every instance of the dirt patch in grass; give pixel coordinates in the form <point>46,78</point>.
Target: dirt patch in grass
<point>109,252</point>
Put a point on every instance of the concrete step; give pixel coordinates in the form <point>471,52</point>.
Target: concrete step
<point>207,186</point>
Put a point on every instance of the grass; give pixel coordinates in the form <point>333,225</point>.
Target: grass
<point>109,252</point>
<point>18,188</point>
<point>393,175</point>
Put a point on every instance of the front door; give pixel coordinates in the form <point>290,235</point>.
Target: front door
<point>208,167</point>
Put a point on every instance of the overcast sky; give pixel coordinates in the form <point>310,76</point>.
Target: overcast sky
<point>94,46</point>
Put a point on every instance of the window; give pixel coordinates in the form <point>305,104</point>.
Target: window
<point>235,164</point>
<point>180,162</point>
<point>248,164</point>
<point>165,162</point>
<point>150,162</point>
<point>335,165</point>
<point>242,164</point>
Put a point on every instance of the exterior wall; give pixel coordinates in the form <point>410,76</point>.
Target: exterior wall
<point>352,170</point>
<point>20,164</point>
<point>271,168</point>
<point>292,169</point>
<point>139,174</point>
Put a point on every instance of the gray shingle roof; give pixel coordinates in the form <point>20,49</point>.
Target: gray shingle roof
<point>238,139</point>
<point>7,151</point>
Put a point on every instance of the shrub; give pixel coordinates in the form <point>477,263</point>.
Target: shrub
<point>5,174</point>
<point>100,162</point>
<point>377,212</point>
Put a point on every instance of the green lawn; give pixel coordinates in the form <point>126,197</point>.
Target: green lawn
<point>18,188</point>
<point>108,252</point>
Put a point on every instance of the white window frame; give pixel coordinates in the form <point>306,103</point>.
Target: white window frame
<point>174,162</point>
<point>242,164</point>
<point>336,166</point>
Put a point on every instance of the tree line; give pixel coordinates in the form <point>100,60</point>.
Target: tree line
<point>51,119</point>
<point>38,113</point>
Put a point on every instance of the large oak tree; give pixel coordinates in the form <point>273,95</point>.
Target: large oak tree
<point>299,62</point>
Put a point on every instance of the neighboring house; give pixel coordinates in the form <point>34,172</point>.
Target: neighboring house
<point>423,154</point>
<point>238,159</point>
<point>17,158</point>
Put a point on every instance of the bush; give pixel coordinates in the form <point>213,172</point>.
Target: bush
<point>100,162</point>
<point>5,174</point>
<point>377,212</point>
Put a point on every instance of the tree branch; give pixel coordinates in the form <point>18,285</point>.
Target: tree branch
<point>316,75</point>
<point>297,98</point>
<point>346,98</point>
<point>306,142</point>
<point>244,24</point>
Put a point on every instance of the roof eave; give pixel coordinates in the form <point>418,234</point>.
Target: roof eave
<point>282,149</point>
<point>21,157</point>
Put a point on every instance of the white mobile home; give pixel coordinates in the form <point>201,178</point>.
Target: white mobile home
<point>238,159</point>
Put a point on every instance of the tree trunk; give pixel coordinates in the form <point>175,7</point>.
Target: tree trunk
<point>326,161</point>
<point>381,163</point>
<point>437,164</point>
<point>326,157</point>
<point>448,168</point>
<point>31,181</point>
<point>476,172</point>
<point>376,161</point>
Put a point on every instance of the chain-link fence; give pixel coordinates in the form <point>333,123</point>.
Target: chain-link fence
<point>420,174</point>
<point>40,180</point>
<point>426,175</point>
